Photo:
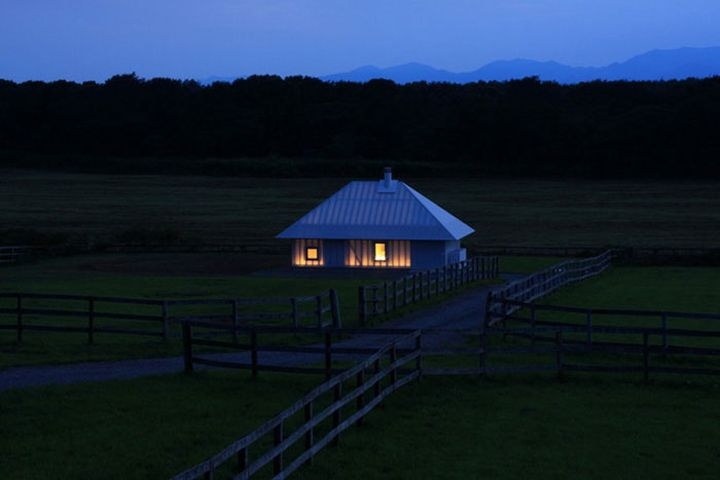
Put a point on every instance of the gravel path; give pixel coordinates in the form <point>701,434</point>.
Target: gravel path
<point>465,311</point>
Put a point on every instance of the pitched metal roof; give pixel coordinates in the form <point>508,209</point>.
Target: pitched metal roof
<point>380,211</point>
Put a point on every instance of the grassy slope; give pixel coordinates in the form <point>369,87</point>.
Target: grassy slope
<point>464,428</point>
<point>599,427</point>
<point>240,210</point>
<point>148,428</point>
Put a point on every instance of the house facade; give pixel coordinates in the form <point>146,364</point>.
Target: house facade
<point>377,224</point>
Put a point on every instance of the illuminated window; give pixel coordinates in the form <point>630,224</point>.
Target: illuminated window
<point>312,253</point>
<point>380,252</point>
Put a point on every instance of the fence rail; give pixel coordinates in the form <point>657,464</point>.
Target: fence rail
<point>589,326</point>
<point>283,441</point>
<point>625,252</point>
<point>39,312</point>
<point>382,298</point>
<point>542,283</point>
<point>12,254</point>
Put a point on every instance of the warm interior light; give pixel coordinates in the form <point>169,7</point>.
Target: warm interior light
<point>312,253</point>
<point>380,252</point>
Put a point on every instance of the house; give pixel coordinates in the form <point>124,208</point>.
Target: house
<point>377,224</point>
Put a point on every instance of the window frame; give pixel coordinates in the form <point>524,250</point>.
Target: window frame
<point>385,248</point>
<point>317,253</point>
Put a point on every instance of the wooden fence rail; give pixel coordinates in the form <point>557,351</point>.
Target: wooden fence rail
<point>368,376</point>
<point>382,298</point>
<point>628,253</point>
<point>542,283</point>
<point>588,320</point>
<point>407,357</point>
<point>12,254</point>
<point>91,315</point>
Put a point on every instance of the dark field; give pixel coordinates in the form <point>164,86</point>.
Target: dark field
<point>97,209</point>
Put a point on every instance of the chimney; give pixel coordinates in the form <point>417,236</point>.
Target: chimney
<point>388,178</point>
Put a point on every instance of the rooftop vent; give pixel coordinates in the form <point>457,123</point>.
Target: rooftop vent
<point>387,184</point>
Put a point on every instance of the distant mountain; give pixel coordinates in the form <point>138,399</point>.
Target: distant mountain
<point>654,65</point>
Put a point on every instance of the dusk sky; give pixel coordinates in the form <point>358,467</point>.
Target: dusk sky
<point>95,39</point>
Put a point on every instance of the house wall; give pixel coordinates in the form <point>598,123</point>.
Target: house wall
<point>416,254</point>
<point>360,253</point>
<point>428,254</point>
<point>298,252</point>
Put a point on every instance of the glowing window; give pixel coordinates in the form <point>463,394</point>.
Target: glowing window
<point>312,253</point>
<point>380,252</point>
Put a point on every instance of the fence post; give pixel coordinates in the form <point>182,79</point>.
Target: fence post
<point>362,306</point>
<point>376,370</point>
<point>488,309</point>
<point>559,353</point>
<point>533,320</point>
<point>19,318</point>
<point>437,281</point>
<point>646,358</point>
<point>418,348</point>
<point>405,290</point>
<point>393,357</point>
<point>386,299</point>
<point>335,309</point>
<point>310,434</point>
<point>253,352</point>
<point>337,414</point>
<point>318,303</point>
<point>588,321</point>
<point>414,288</point>
<point>187,346</point>
<point>360,401</point>
<point>665,335</point>
<point>328,355</point>
<point>165,320</point>
<point>483,348</point>
<point>395,293</point>
<point>374,300</point>
<point>235,321</point>
<point>91,319</point>
<point>242,459</point>
<point>277,440</point>
<point>294,311</point>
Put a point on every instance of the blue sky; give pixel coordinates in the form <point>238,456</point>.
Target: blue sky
<point>95,39</point>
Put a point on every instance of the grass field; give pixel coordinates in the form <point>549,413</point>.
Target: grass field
<point>464,428</point>
<point>106,275</point>
<point>147,428</point>
<point>598,427</point>
<point>109,208</point>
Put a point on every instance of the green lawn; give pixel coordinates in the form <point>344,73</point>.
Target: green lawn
<point>599,429</point>
<point>588,426</point>
<point>148,428</point>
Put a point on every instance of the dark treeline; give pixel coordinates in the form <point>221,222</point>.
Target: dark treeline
<point>267,125</point>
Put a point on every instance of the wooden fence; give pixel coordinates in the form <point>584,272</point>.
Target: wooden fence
<point>361,398</point>
<point>553,349</point>
<point>586,322</point>
<point>627,252</point>
<point>542,283</point>
<point>12,254</point>
<point>250,344</point>
<point>91,315</point>
<point>85,313</point>
<point>382,298</point>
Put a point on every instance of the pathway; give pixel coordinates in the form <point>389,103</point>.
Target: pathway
<point>465,311</point>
